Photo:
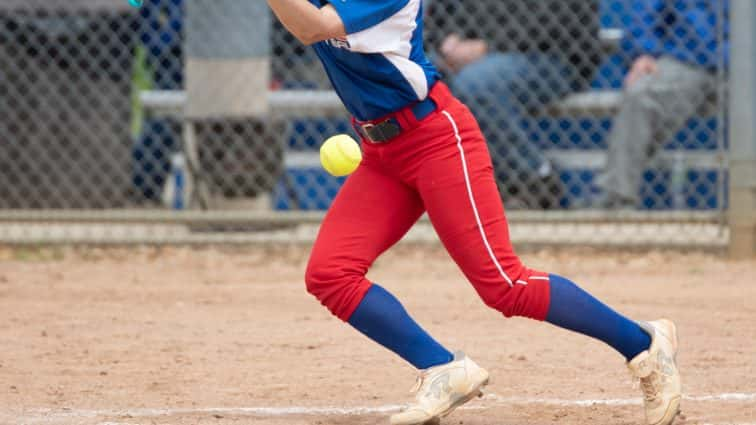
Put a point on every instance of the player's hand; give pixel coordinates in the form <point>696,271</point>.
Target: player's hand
<point>644,65</point>
<point>459,52</point>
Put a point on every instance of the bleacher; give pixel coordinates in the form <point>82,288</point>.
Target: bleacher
<point>572,131</point>
<point>307,186</point>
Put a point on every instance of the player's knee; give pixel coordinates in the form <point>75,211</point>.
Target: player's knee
<point>495,300</point>
<point>527,296</point>
<point>506,300</point>
<point>318,276</point>
<point>338,288</point>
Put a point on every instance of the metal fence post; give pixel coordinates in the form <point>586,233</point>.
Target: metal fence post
<point>743,130</point>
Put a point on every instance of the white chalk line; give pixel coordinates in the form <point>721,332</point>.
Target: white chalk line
<point>728,423</point>
<point>705,423</point>
<point>490,399</point>
<point>721,423</point>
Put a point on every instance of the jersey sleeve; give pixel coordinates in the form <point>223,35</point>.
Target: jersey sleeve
<point>359,15</point>
<point>379,26</point>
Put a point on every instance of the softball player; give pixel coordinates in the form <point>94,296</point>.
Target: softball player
<point>423,152</point>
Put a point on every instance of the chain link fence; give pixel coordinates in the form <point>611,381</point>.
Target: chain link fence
<point>210,105</point>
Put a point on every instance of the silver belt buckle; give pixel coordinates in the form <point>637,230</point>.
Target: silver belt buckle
<point>366,131</point>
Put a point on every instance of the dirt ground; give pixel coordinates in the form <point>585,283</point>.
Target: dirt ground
<point>229,336</point>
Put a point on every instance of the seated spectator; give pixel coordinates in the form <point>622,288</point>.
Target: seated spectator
<point>506,59</point>
<point>675,52</point>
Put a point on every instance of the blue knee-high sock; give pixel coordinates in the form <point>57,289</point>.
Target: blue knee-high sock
<point>381,317</point>
<point>574,309</point>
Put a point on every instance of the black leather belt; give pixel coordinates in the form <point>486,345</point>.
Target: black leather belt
<point>390,128</point>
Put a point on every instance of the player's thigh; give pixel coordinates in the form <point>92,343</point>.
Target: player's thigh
<point>464,205</point>
<point>371,212</point>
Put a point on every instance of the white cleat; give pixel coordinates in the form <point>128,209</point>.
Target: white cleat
<point>656,368</point>
<point>441,389</point>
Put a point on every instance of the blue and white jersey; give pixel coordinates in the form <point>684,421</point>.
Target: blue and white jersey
<point>380,67</point>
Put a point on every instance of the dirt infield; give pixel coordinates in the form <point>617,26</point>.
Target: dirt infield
<point>228,336</point>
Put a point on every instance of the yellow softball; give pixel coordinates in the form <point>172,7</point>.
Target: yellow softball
<point>340,155</point>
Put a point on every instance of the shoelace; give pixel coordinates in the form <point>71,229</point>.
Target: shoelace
<point>418,383</point>
<point>649,385</point>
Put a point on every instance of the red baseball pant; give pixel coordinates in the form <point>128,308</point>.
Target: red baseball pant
<point>442,166</point>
